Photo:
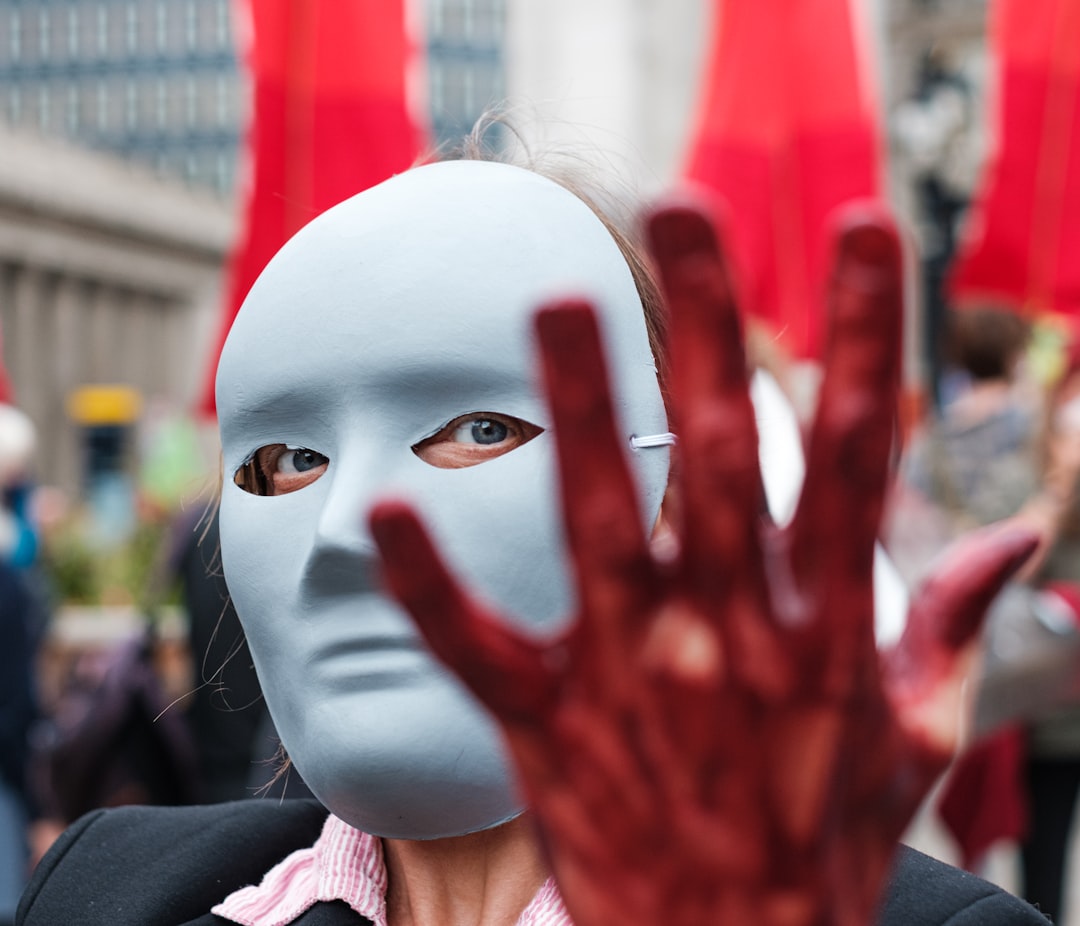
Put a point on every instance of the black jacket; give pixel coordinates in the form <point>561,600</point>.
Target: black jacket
<point>165,866</point>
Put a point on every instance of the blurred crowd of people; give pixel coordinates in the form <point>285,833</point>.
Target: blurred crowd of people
<point>1006,443</point>
<point>111,733</point>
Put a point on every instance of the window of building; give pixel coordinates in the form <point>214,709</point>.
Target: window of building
<point>59,29</point>
<point>468,25</point>
<point>87,104</point>
<point>175,120</point>
<point>44,107</point>
<point>161,26</point>
<point>191,102</point>
<point>487,22</point>
<point>71,110</point>
<point>101,29</point>
<point>28,38</point>
<point>131,105</point>
<point>117,29</point>
<point>455,100</point>
<point>452,20</point>
<point>161,104</point>
<point>15,36</point>
<point>490,87</point>
<point>177,39</point>
<point>223,171</point>
<point>435,79</point>
<point>101,107</point>
<point>221,102</point>
<point>208,26</point>
<point>44,32</point>
<point>14,103</point>
<point>223,25</point>
<point>146,25</point>
<point>191,25</point>
<point>146,90</point>
<point>87,32</point>
<point>433,21</point>
<point>131,29</point>
<point>72,30</point>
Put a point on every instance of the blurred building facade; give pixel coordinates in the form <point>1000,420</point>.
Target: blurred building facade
<point>466,62</point>
<point>157,81</point>
<point>107,276</point>
<point>153,81</point>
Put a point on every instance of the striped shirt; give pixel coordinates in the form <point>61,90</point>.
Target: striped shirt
<point>345,864</point>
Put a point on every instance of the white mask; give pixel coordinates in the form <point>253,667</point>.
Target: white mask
<point>385,319</point>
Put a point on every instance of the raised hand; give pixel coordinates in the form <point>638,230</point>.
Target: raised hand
<point>716,739</point>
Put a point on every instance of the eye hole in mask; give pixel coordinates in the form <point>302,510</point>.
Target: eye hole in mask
<point>278,469</point>
<point>474,438</point>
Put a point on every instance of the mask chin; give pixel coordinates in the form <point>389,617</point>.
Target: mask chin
<point>426,765</point>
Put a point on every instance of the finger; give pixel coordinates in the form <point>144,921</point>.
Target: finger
<point>723,498</point>
<point>836,525</point>
<point>506,671</point>
<point>615,576</point>
<point>923,674</point>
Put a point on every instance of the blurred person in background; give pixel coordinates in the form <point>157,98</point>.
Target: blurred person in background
<point>977,462</point>
<point>17,714</point>
<point>1002,448</point>
<point>1052,766</point>
<point>21,627</point>
<point>234,737</point>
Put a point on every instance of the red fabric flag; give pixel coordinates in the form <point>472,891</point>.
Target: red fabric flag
<point>787,130</point>
<point>984,801</point>
<point>7,391</point>
<point>330,116</point>
<point>1022,241</point>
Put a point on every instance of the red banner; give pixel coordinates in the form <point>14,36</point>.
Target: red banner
<point>787,131</point>
<point>1022,240</point>
<point>330,116</point>
<point>7,391</point>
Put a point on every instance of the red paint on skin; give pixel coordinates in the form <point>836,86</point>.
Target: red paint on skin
<point>766,776</point>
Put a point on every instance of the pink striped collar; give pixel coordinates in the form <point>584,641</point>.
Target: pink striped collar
<point>345,864</point>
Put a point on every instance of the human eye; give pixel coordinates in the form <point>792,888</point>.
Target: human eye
<point>474,438</point>
<point>278,469</point>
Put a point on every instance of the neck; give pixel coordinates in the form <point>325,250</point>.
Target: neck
<point>482,879</point>
<point>982,399</point>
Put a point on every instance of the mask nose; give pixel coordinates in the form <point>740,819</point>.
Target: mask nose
<point>343,556</point>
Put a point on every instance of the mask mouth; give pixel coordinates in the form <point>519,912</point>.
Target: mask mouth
<point>376,662</point>
<point>374,645</point>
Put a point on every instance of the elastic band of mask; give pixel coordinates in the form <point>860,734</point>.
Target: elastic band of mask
<point>667,439</point>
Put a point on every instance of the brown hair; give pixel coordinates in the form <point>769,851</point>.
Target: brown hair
<point>986,340</point>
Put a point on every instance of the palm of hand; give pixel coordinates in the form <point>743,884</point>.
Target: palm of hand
<point>715,739</point>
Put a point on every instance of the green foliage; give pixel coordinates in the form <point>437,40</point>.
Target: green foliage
<point>83,571</point>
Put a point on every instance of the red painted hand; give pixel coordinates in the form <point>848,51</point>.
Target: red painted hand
<point>716,739</point>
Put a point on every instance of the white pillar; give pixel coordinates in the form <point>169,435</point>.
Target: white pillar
<point>612,80</point>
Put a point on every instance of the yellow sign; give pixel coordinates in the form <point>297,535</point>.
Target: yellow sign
<point>104,404</point>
